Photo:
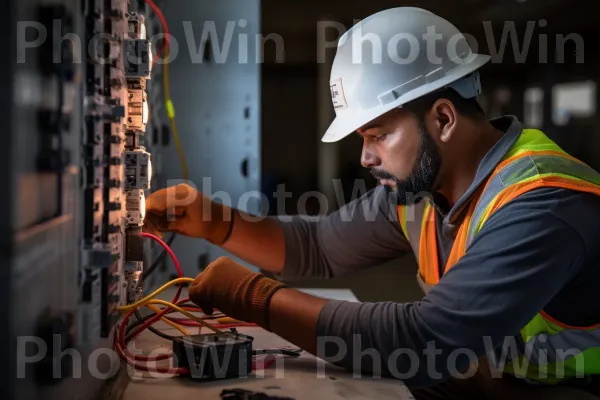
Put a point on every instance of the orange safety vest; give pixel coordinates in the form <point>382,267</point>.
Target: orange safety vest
<point>534,161</point>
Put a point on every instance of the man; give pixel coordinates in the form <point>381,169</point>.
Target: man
<point>503,223</point>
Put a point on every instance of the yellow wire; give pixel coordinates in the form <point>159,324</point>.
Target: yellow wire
<point>161,289</point>
<point>228,320</point>
<point>168,321</point>
<point>171,115</point>
<point>186,313</point>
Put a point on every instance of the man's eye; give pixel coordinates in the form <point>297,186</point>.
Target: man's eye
<point>380,137</point>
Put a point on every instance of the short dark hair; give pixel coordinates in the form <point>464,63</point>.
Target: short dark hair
<point>466,107</point>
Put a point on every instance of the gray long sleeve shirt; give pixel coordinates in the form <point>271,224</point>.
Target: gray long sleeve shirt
<point>541,251</point>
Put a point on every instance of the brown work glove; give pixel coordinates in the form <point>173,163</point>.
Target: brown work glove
<point>183,209</point>
<point>235,290</point>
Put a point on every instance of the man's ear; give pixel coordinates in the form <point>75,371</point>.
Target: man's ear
<point>446,118</point>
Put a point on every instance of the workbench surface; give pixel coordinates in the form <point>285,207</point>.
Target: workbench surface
<point>304,377</point>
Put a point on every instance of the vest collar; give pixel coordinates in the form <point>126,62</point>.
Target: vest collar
<point>512,129</point>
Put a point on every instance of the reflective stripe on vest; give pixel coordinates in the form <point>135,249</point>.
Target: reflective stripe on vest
<point>534,161</point>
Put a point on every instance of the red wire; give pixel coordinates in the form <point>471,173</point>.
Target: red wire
<point>168,250</point>
<point>152,321</point>
<point>130,358</point>
<point>157,317</point>
<point>121,345</point>
<point>165,27</point>
<point>173,257</point>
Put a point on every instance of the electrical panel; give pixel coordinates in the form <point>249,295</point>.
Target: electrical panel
<point>118,168</point>
<point>137,161</point>
<point>86,138</point>
<point>77,157</point>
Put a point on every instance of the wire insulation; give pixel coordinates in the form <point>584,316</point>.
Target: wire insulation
<point>142,320</point>
<point>166,250</point>
<point>160,259</point>
<point>133,359</point>
<point>151,296</point>
<point>165,26</point>
<point>187,314</point>
<point>124,352</point>
<point>168,321</point>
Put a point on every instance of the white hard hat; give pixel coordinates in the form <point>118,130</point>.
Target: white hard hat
<point>393,57</point>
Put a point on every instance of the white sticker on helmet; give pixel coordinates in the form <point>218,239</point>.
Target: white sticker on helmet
<point>337,94</point>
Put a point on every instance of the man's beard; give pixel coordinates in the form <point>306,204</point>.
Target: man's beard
<point>423,176</point>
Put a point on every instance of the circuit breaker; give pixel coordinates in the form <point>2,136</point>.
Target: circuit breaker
<point>75,135</point>
<point>85,140</point>
<point>118,168</point>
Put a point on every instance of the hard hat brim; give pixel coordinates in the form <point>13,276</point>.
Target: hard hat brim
<point>344,125</point>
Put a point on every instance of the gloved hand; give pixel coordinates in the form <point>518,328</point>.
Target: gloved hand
<point>184,210</point>
<point>235,290</point>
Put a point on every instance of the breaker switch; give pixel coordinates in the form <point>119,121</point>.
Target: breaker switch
<point>101,258</point>
<point>114,206</point>
<point>138,169</point>
<point>133,140</point>
<point>117,113</point>
<point>138,58</point>
<point>134,246</point>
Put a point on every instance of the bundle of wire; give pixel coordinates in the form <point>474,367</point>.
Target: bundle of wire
<point>126,332</point>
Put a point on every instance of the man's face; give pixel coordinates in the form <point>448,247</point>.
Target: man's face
<point>401,154</point>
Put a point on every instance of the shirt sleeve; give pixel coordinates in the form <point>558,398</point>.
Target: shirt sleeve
<point>363,233</point>
<point>519,261</point>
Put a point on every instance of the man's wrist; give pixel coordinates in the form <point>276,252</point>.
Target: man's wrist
<point>261,290</point>
<point>220,225</point>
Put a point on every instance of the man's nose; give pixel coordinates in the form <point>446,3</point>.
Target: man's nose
<point>368,159</point>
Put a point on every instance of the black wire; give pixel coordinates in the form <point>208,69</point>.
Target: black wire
<point>132,325</point>
<point>147,272</point>
<point>159,260</point>
<point>140,321</point>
